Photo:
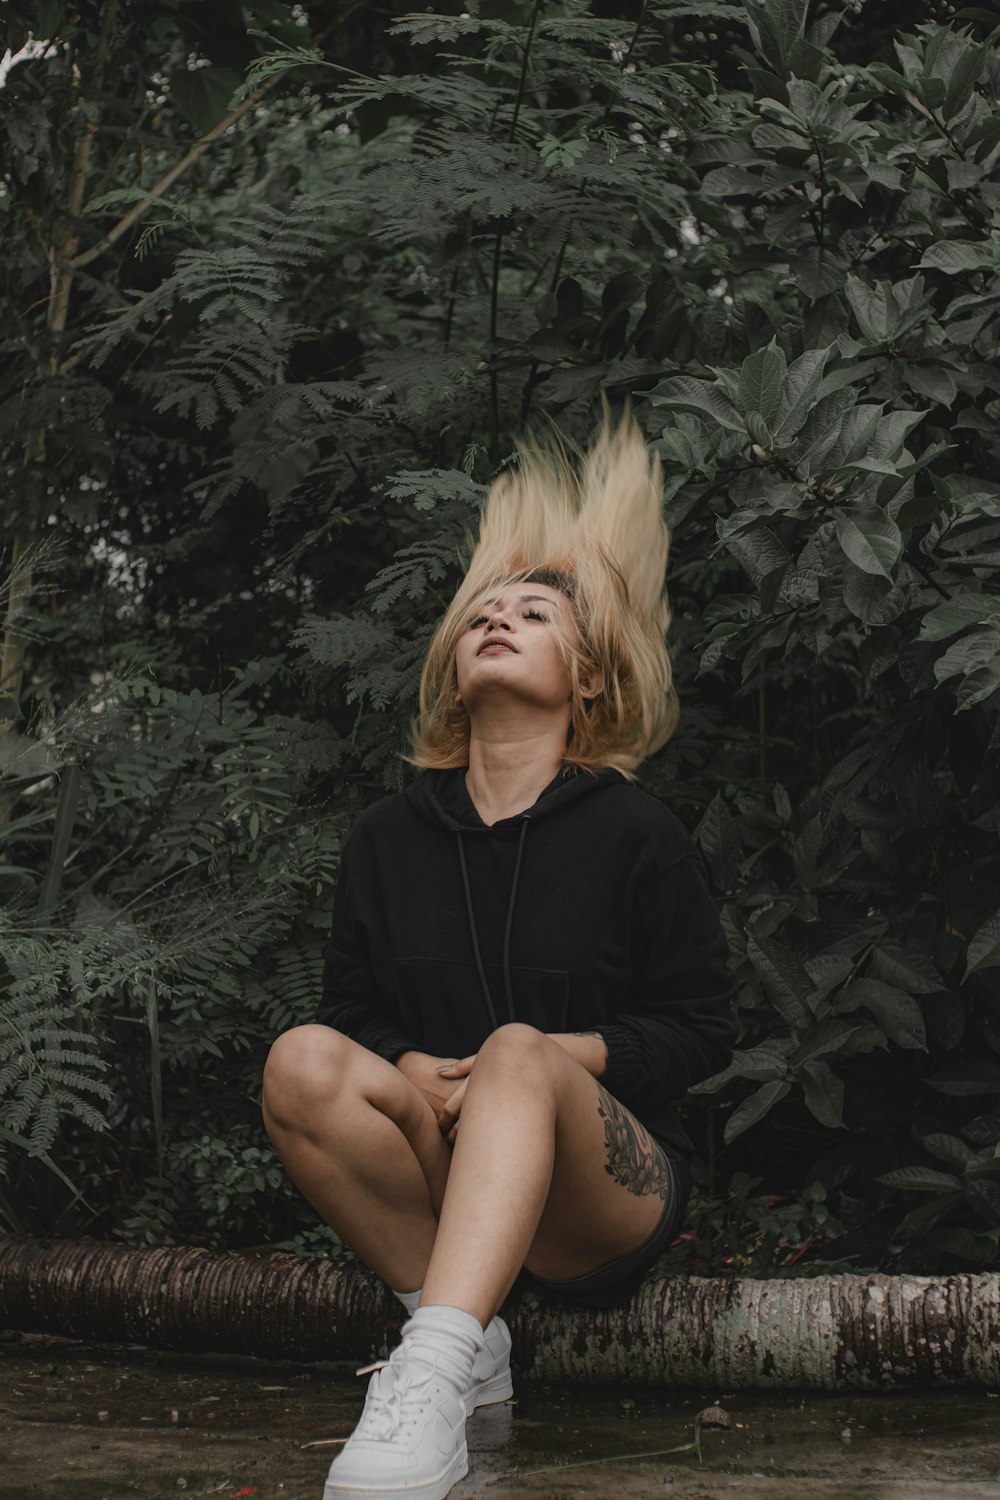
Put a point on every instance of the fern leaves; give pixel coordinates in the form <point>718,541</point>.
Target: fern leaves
<point>50,1067</point>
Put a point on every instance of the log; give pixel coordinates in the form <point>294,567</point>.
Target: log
<point>821,1333</point>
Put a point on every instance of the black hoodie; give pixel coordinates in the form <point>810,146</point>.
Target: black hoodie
<point>588,912</point>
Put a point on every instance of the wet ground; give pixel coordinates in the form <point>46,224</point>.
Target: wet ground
<point>82,1423</point>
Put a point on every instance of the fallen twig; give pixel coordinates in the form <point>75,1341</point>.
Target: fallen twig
<point>619,1458</point>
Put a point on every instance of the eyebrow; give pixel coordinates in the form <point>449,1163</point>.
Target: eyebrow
<point>528,599</point>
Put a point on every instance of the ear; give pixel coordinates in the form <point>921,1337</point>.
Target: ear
<point>593,686</point>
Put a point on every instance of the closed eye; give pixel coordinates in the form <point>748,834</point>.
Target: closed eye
<point>526,614</point>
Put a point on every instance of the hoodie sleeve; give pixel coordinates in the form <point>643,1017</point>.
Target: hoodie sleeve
<point>351,1003</point>
<point>677,1026</point>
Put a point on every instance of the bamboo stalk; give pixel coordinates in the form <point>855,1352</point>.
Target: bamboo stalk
<point>824,1333</point>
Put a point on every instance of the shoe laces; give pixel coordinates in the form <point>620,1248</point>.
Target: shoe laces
<point>391,1400</point>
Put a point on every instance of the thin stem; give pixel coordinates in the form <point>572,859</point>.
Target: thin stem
<point>762,727</point>
<point>450,311</point>
<point>524,71</point>
<point>821,178</point>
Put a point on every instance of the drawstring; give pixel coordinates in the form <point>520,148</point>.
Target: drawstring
<point>510,921</point>
<point>475,936</point>
<point>507,980</point>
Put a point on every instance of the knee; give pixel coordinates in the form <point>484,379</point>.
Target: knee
<point>305,1068</point>
<point>515,1045</point>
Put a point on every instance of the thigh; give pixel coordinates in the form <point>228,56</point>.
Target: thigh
<point>610,1183</point>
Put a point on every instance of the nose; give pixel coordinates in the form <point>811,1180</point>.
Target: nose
<point>497,620</point>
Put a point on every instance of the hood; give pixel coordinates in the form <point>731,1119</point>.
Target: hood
<point>442,797</point>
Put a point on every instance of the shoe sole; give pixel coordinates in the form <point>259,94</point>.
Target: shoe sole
<point>499,1387</point>
<point>435,1488</point>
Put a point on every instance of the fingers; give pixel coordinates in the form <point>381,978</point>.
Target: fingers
<point>460,1068</point>
<point>448,1118</point>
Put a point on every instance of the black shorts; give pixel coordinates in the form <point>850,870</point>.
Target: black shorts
<point>615,1283</point>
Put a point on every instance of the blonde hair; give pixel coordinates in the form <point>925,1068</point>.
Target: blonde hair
<point>594,530</point>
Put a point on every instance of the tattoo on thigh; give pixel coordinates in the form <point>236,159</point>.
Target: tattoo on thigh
<point>634,1160</point>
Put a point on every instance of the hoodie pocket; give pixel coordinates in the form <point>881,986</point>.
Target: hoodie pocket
<point>442,1005</point>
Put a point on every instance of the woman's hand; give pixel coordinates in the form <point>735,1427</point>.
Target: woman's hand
<point>433,1077</point>
<point>448,1116</point>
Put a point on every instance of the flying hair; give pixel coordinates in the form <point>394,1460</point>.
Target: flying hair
<point>591,525</point>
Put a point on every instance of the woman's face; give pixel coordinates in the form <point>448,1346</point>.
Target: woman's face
<point>510,649</point>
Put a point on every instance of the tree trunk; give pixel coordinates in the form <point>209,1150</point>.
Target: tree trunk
<point>826,1333</point>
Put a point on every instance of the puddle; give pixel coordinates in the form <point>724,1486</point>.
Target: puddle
<point>106,1424</point>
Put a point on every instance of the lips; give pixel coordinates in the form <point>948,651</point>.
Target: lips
<point>493,644</point>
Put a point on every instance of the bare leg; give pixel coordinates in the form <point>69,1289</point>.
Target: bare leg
<point>530,1181</point>
<point>362,1144</point>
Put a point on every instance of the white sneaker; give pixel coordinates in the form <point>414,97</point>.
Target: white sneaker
<point>491,1379</point>
<point>410,1440</point>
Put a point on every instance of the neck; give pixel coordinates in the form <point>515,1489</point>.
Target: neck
<point>508,771</point>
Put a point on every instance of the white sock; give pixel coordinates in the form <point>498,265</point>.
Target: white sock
<point>445,1338</point>
<point>448,1320</point>
<point>411,1301</point>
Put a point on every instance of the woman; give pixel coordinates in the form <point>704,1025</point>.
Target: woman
<point>524,967</point>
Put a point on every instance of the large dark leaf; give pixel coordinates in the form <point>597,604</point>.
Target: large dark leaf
<point>920,1180</point>
<point>984,948</point>
<point>824,1094</point>
<point>719,841</point>
<point>973,1078</point>
<point>786,983</point>
<point>755,1108</point>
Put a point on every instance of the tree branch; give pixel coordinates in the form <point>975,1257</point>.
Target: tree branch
<point>824,1332</point>
<point>167,181</point>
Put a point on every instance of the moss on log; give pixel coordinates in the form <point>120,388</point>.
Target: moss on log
<point>825,1333</point>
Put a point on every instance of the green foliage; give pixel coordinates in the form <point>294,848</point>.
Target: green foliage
<point>50,1067</point>
<point>746,1233</point>
<point>262,442</point>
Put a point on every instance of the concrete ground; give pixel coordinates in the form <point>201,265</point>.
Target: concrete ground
<point>83,1423</point>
